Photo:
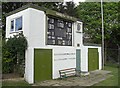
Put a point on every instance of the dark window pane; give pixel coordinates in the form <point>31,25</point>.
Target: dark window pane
<point>12,25</point>
<point>18,24</point>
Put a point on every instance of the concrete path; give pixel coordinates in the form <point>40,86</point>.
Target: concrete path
<point>93,78</point>
<point>14,79</point>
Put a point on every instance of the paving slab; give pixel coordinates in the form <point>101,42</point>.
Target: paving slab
<point>100,72</point>
<point>88,80</point>
<point>13,79</point>
<point>56,85</point>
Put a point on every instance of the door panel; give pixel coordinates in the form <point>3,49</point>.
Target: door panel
<point>93,59</point>
<point>42,64</point>
<point>78,67</point>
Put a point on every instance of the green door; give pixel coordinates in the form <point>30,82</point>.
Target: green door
<point>93,59</point>
<point>42,64</point>
<point>78,59</point>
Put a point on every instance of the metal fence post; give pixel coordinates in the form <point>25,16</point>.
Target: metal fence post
<point>119,65</point>
<point>119,55</point>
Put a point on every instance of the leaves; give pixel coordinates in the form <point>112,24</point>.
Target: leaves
<point>14,51</point>
<point>90,13</point>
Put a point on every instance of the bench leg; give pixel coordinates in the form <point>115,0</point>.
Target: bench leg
<point>64,76</point>
<point>79,74</point>
<point>60,77</point>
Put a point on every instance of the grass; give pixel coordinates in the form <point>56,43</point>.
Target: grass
<point>112,81</point>
<point>18,83</point>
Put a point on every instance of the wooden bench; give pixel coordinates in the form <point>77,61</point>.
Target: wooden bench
<point>69,72</point>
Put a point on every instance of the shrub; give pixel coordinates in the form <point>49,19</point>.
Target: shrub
<point>14,53</point>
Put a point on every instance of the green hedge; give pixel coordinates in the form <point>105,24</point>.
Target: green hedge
<point>13,53</point>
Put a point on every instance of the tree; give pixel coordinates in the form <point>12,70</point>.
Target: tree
<point>90,13</point>
<point>14,53</point>
<point>61,7</point>
<point>69,8</point>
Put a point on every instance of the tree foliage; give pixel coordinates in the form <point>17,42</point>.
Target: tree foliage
<point>68,8</point>
<point>7,58</point>
<point>90,13</point>
<point>111,23</point>
<point>17,45</point>
<point>13,52</point>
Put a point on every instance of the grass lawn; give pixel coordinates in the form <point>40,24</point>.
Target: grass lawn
<point>112,81</point>
<point>18,83</point>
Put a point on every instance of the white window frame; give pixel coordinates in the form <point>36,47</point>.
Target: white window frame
<point>14,19</point>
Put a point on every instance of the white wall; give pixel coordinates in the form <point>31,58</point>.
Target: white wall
<point>77,35</point>
<point>37,28</point>
<point>29,65</point>
<point>25,16</point>
<point>64,57</point>
<point>84,59</point>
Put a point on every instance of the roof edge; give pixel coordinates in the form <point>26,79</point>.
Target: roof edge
<point>47,11</point>
<point>30,5</point>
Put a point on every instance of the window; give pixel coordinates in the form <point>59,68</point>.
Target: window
<point>12,25</point>
<point>16,24</point>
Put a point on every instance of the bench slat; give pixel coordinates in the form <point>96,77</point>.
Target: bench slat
<point>71,74</point>
<point>67,69</point>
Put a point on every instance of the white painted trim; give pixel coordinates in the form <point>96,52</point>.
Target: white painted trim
<point>52,63</point>
<point>14,30</point>
<point>33,65</point>
<point>43,48</point>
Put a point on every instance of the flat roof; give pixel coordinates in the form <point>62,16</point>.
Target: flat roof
<point>47,11</point>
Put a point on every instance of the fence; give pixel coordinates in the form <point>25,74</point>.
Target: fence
<point>112,55</point>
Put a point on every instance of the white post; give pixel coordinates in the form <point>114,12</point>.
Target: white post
<point>102,35</point>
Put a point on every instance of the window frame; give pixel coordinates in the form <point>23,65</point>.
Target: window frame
<point>14,28</point>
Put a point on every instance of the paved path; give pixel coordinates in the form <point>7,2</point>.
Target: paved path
<point>93,78</point>
<point>14,79</point>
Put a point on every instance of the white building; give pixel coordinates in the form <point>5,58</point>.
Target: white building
<point>55,42</point>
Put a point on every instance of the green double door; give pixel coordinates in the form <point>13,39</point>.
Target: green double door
<point>78,57</point>
<point>42,64</point>
<point>93,59</point>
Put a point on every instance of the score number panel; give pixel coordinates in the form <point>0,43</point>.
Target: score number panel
<point>59,32</point>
